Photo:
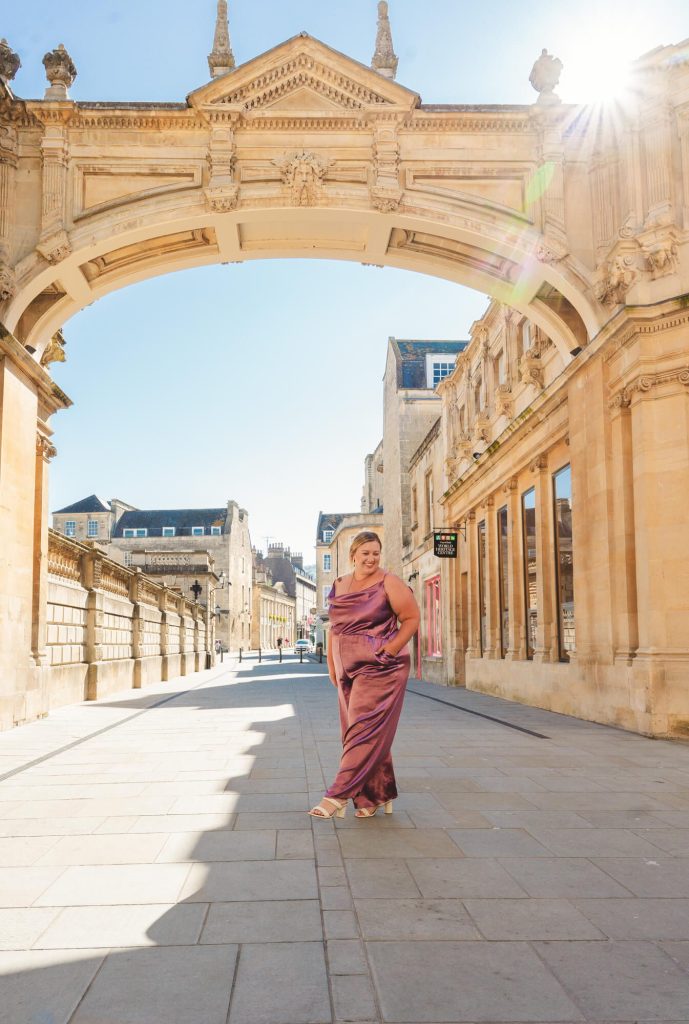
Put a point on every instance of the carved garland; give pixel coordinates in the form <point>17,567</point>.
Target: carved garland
<point>645,383</point>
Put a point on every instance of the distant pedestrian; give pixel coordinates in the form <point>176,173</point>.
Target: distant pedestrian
<point>373,615</point>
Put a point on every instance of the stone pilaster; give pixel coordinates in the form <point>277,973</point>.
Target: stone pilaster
<point>222,192</point>
<point>492,584</point>
<point>8,172</point>
<point>516,638</point>
<point>625,616</point>
<point>474,610</point>
<point>54,243</point>
<point>45,451</point>
<point>386,194</point>
<point>545,649</point>
<point>95,613</point>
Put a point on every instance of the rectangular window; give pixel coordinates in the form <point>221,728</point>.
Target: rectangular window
<point>434,645</point>
<point>128,558</point>
<point>142,533</point>
<point>128,533</point>
<point>482,602</point>
<point>414,507</point>
<point>216,531</point>
<point>478,396</point>
<point>326,590</point>
<point>197,531</point>
<point>503,556</point>
<point>499,369</point>
<point>429,501</point>
<point>564,560</point>
<point>441,370</point>
<point>327,563</point>
<point>168,531</point>
<point>92,528</point>
<point>70,528</point>
<point>530,568</point>
<point>327,536</point>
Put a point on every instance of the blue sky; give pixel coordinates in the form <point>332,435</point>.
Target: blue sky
<point>262,381</point>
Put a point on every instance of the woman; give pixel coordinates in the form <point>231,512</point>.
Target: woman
<point>369,662</point>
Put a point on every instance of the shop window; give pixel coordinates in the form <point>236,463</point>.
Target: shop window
<point>564,560</point>
<point>530,568</point>
<point>482,602</point>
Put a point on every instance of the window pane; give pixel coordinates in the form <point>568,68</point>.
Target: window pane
<point>504,588</point>
<point>327,561</point>
<point>70,528</point>
<point>92,528</point>
<point>530,569</point>
<point>482,583</point>
<point>562,485</point>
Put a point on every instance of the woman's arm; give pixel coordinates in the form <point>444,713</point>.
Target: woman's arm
<point>331,661</point>
<point>403,604</point>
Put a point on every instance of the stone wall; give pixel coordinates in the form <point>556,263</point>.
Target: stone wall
<point>110,628</point>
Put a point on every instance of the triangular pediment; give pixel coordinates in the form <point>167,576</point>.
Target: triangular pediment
<point>306,76</point>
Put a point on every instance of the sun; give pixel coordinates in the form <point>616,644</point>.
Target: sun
<point>598,67</point>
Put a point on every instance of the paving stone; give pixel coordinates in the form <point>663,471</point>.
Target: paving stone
<point>353,998</point>
<point>263,921</point>
<point>167,985</point>
<point>648,877</point>
<point>37,986</point>
<point>340,924</point>
<point>346,956</point>
<point>619,980</point>
<point>674,841</point>
<point>250,880</point>
<point>497,842</point>
<point>531,919</point>
<point>50,826</point>
<point>415,919</point>
<point>638,918</point>
<point>381,878</point>
<point>402,843</point>
<point>24,850</point>
<point>448,879</point>
<point>115,884</point>
<point>293,845</point>
<point>466,982</point>
<point>269,819</point>
<point>336,897</point>
<point>618,819</point>
<point>396,820</point>
<point>218,846</point>
<point>594,842</point>
<point>20,887</point>
<point>104,849</point>
<point>562,877</point>
<point>331,874</point>
<point>266,992</point>
<point>136,925</point>
<point>175,823</point>
<point>20,927</point>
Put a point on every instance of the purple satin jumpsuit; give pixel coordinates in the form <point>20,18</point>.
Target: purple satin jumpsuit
<point>371,688</point>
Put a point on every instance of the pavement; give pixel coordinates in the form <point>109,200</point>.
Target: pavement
<point>157,865</point>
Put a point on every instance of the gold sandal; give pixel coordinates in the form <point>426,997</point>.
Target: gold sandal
<point>319,811</point>
<point>368,812</point>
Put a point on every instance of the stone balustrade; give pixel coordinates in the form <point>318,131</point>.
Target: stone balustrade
<point>110,627</point>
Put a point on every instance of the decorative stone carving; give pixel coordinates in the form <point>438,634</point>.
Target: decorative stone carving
<point>384,59</point>
<point>539,464</point>
<point>661,258</point>
<point>223,198</point>
<point>503,400</point>
<point>387,200</point>
<point>621,400</point>
<point>511,485</point>
<point>9,62</point>
<point>531,370</point>
<point>303,173</point>
<point>620,275</point>
<point>550,252</point>
<point>60,72</point>
<point>545,75</point>
<point>8,285</point>
<point>56,247</point>
<point>221,58</point>
<point>44,448</point>
<point>55,350</point>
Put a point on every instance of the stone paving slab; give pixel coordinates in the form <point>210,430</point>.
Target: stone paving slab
<point>165,870</point>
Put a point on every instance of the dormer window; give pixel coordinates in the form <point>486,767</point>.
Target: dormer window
<point>328,536</point>
<point>197,531</point>
<point>438,366</point>
<point>168,531</point>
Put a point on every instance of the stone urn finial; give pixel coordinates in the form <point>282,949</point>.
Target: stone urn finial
<point>9,61</point>
<point>545,75</point>
<point>60,72</point>
<point>384,59</point>
<point>221,58</point>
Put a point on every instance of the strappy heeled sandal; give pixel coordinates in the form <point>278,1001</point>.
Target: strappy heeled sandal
<point>368,812</point>
<point>319,811</point>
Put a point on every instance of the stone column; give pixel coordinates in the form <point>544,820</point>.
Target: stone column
<point>625,622</point>
<point>164,637</point>
<point>26,394</point>
<point>492,583</point>
<point>516,639</point>
<point>92,570</point>
<point>546,631</point>
<point>45,451</point>
<point>8,172</point>
<point>54,243</point>
<point>135,587</point>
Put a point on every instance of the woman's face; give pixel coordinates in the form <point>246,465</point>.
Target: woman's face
<point>367,559</point>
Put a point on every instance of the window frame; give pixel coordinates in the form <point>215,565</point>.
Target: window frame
<point>433,608</point>
<point>564,651</point>
<point>327,558</point>
<point>198,531</point>
<point>70,527</point>
<point>169,531</point>
<point>530,634</point>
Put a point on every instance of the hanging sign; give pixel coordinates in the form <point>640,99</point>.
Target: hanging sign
<point>445,544</point>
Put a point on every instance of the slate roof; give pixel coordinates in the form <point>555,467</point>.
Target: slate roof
<point>91,504</point>
<point>328,521</point>
<point>183,519</point>
<point>411,355</point>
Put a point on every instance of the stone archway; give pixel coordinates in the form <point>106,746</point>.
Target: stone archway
<point>304,152</point>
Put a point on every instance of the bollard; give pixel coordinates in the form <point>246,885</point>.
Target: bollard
<point>240,653</point>
<point>301,655</point>
<point>280,653</point>
<point>259,655</point>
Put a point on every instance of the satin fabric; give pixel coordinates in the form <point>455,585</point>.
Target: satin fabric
<point>371,688</point>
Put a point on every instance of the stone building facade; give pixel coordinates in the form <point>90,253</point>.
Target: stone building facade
<point>288,568</point>
<point>372,492</point>
<point>273,612</point>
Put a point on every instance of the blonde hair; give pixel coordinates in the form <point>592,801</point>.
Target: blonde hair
<point>365,537</point>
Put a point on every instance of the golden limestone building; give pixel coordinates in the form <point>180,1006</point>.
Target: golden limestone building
<point>576,221</point>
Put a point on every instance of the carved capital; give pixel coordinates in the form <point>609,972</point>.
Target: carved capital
<point>44,448</point>
<point>503,400</point>
<point>8,284</point>
<point>510,486</point>
<point>531,370</point>
<point>618,277</point>
<point>661,258</point>
<point>550,252</point>
<point>222,199</point>
<point>619,401</point>
<point>55,350</point>
<point>56,247</point>
<point>539,464</point>
<point>387,200</point>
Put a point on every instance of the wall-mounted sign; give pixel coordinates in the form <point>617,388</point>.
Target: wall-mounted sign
<point>445,544</point>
